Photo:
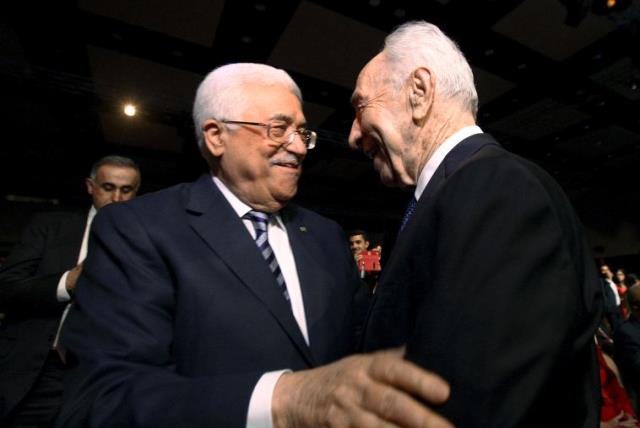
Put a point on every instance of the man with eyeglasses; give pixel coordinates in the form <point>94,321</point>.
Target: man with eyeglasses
<point>216,303</point>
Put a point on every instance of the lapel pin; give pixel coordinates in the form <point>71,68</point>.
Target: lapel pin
<point>303,229</point>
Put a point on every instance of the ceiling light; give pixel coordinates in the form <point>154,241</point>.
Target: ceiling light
<point>130,110</point>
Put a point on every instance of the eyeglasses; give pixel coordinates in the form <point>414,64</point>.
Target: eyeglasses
<point>277,131</point>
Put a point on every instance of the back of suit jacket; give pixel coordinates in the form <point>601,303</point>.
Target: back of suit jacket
<point>178,315</point>
<point>491,286</point>
<point>28,284</point>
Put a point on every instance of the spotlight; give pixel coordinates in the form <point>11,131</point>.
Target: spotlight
<point>130,110</point>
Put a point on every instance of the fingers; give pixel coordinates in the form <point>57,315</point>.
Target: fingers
<point>389,368</point>
<point>397,407</point>
<point>375,390</point>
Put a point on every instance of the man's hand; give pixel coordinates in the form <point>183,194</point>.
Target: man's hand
<point>360,391</point>
<point>72,278</point>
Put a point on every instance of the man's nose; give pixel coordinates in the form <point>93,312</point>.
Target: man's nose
<point>296,145</point>
<point>355,135</point>
<point>117,196</point>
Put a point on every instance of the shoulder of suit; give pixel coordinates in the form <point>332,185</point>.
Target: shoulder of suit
<point>304,215</point>
<point>495,158</point>
<point>152,199</point>
<point>507,170</point>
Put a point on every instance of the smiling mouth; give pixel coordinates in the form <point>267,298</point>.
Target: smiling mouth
<point>290,165</point>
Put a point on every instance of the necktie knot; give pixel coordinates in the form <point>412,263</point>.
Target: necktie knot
<point>259,220</point>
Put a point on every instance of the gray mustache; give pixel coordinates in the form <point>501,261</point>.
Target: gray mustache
<point>288,158</point>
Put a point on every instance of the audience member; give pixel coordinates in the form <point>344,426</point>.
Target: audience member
<point>358,242</point>
<point>627,347</point>
<point>616,410</point>
<point>196,301</point>
<point>620,280</point>
<point>367,261</point>
<point>606,273</point>
<point>490,283</point>
<point>37,281</point>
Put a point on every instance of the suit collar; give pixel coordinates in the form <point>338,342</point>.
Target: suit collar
<point>216,222</point>
<point>454,159</point>
<point>440,154</point>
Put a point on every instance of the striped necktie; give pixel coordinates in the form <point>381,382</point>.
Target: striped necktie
<point>409,212</point>
<point>260,221</point>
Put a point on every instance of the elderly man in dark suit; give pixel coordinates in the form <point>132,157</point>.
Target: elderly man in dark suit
<point>36,283</point>
<point>212,303</point>
<point>490,283</point>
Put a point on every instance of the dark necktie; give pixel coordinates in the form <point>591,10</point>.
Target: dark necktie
<point>260,221</point>
<point>409,212</point>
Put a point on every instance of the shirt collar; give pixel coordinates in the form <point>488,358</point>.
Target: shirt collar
<point>438,156</point>
<point>92,214</point>
<point>238,206</point>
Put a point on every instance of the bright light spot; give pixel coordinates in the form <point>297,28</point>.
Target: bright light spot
<point>611,3</point>
<point>130,110</point>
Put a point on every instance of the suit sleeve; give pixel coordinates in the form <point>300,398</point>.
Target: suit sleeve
<point>121,331</point>
<point>502,310</point>
<point>23,289</point>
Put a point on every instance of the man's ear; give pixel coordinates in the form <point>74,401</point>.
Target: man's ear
<point>89,182</point>
<point>211,135</point>
<point>421,93</point>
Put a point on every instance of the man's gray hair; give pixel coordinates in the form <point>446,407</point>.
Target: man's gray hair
<point>222,92</point>
<point>114,160</point>
<point>419,43</point>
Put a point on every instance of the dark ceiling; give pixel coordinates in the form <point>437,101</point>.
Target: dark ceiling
<point>565,96</point>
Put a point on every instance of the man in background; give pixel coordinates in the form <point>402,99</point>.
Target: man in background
<point>358,242</point>
<point>37,281</point>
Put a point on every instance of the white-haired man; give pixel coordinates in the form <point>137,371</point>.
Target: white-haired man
<point>490,283</point>
<point>209,304</point>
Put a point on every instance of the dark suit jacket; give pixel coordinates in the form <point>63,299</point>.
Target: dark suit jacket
<point>177,314</point>
<point>28,284</point>
<point>491,286</point>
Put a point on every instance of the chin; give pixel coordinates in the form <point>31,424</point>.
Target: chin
<point>285,195</point>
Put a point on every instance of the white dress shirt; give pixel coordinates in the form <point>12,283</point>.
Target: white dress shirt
<point>438,156</point>
<point>259,413</point>
<point>62,293</point>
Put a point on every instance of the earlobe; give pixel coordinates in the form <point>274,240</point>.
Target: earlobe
<point>421,96</point>
<point>212,133</point>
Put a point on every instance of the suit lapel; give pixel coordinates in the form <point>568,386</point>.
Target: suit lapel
<point>73,233</point>
<point>219,226</point>
<point>450,164</point>
<point>314,282</point>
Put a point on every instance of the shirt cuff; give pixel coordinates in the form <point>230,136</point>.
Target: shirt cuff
<point>259,414</point>
<point>62,294</point>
